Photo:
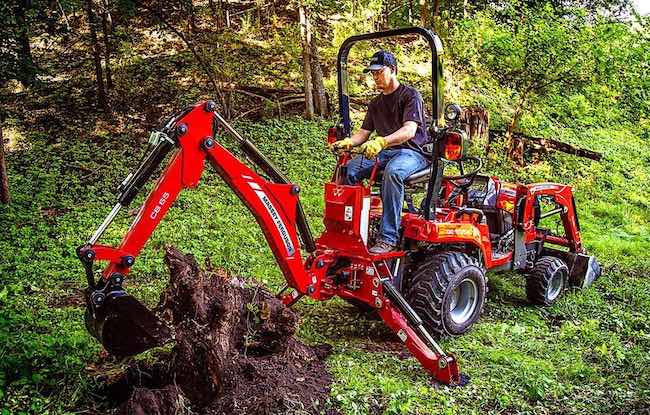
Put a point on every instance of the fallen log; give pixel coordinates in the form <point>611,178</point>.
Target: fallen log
<point>549,143</point>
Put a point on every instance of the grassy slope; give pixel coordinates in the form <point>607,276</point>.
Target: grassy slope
<point>587,354</point>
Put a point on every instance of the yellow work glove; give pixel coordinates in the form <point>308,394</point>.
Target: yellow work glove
<point>371,148</point>
<point>342,145</point>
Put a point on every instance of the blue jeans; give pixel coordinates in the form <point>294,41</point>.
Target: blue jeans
<point>397,165</point>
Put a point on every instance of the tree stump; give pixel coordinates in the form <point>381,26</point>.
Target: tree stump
<point>234,354</point>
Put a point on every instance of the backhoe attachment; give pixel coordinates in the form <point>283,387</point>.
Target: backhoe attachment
<point>121,323</point>
<point>126,327</point>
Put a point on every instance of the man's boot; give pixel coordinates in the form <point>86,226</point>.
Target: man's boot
<point>382,247</point>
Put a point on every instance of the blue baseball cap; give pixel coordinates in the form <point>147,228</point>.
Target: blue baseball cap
<point>381,59</point>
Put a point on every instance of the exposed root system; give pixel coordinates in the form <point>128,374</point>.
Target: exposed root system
<point>234,354</point>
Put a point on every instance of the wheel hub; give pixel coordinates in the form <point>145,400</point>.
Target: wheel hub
<point>555,286</point>
<point>464,299</point>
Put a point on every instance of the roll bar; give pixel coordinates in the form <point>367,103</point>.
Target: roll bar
<point>437,86</point>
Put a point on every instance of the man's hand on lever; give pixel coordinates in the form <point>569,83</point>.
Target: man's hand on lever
<point>342,145</point>
<point>349,144</point>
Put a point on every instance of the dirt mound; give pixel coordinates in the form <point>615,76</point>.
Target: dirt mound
<point>234,354</point>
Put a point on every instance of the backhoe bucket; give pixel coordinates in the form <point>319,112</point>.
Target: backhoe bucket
<point>124,326</point>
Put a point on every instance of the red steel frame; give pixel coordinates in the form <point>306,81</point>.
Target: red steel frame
<point>274,207</point>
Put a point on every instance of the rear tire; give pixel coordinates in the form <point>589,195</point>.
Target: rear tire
<point>447,290</point>
<point>547,281</point>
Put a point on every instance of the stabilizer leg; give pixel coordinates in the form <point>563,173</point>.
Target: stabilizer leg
<point>404,321</point>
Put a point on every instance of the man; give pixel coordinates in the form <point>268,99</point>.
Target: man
<point>397,116</point>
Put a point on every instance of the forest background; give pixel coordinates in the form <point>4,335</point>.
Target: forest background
<point>83,81</point>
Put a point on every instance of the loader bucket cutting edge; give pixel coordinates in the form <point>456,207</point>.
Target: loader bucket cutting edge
<point>593,272</point>
<point>124,326</point>
<point>584,271</point>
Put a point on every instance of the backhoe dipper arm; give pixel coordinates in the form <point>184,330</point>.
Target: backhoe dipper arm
<point>275,206</point>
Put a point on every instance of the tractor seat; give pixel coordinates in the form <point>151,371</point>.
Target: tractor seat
<point>420,176</point>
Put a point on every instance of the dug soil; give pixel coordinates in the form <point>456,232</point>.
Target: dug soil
<point>234,352</point>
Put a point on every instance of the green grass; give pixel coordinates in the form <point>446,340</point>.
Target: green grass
<point>589,353</point>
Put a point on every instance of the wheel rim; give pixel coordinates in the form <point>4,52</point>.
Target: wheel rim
<point>555,286</point>
<point>464,299</point>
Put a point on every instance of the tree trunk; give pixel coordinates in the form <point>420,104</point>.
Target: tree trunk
<point>424,13</point>
<point>305,34</point>
<point>99,75</point>
<point>191,15</point>
<point>107,29</point>
<point>436,15</point>
<point>320,96</point>
<point>4,180</point>
<point>225,7</point>
<point>215,14</point>
<point>28,70</point>
<point>515,144</point>
<point>475,121</point>
<point>65,17</point>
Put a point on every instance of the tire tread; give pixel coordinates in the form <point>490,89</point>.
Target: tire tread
<point>538,280</point>
<point>429,278</point>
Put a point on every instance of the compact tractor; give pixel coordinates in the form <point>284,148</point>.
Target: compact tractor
<point>433,285</point>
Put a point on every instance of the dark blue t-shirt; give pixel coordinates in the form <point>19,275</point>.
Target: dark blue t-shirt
<point>388,113</point>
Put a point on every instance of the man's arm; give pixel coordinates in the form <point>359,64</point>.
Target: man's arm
<point>405,133</point>
<point>360,136</point>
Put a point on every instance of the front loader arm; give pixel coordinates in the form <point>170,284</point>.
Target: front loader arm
<point>275,206</point>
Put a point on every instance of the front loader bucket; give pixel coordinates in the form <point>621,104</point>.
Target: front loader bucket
<point>585,271</point>
<point>124,326</point>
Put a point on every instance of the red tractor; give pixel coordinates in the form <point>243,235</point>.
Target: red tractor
<point>433,285</point>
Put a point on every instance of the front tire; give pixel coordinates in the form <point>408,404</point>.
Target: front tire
<point>447,290</point>
<point>547,281</point>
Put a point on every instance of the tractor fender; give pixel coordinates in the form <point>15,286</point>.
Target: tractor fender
<point>450,233</point>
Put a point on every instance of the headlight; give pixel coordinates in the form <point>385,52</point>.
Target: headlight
<point>452,112</point>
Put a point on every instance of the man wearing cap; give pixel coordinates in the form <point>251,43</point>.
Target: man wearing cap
<point>397,116</point>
